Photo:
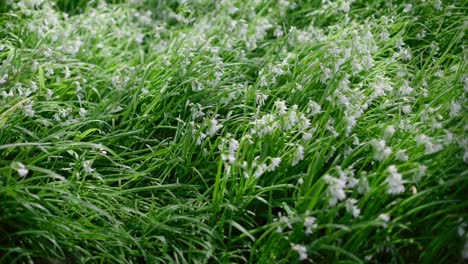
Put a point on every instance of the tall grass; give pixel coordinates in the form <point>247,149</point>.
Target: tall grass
<point>233,131</point>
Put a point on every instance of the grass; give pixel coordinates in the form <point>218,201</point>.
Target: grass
<point>233,131</point>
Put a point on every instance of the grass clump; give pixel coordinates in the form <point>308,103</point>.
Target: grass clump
<point>233,131</point>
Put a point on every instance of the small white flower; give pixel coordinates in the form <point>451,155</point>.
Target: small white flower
<point>385,218</point>
<point>260,170</point>
<point>67,72</point>
<point>455,109</point>
<point>21,169</point>
<point>336,189</point>
<point>274,164</point>
<point>281,106</point>
<point>408,8</point>
<point>83,112</point>
<point>389,131</point>
<point>213,127</point>
<point>406,109</point>
<point>381,151</point>
<point>260,98</point>
<point>298,155</point>
<point>363,185</point>
<point>301,250</point>
<point>352,208</point>
<point>401,155</point>
<point>394,181</point>
<point>233,146</point>
<point>313,108</point>
<point>309,224</point>
<point>28,110</point>
<point>87,166</point>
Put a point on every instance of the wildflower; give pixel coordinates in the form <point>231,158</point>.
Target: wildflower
<point>336,188</point>
<point>394,181</point>
<point>301,250</point>
<point>260,98</point>
<point>406,109</point>
<point>389,131</point>
<point>385,218</point>
<point>274,164</point>
<point>28,110</point>
<point>430,147</point>
<point>405,88</point>
<point>4,79</point>
<point>213,127</point>
<point>401,155</point>
<point>313,108</point>
<point>21,169</point>
<point>408,8</point>
<point>233,146</point>
<point>363,185</point>
<point>49,94</point>
<point>309,224</point>
<point>455,109</point>
<point>345,6</point>
<point>87,166</point>
<point>283,220</point>
<point>382,152</point>
<point>281,106</point>
<point>327,74</point>
<point>422,171</point>
<point>67,72</point>
<point>351,207</point>
<point>83,112</point>
<point>384,35</point>
<point>298,155</point>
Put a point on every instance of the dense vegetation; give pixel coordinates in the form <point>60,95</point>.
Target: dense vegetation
<point>260,131</point>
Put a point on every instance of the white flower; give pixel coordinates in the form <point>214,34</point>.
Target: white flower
<point>327,74</point>
<point>313,108</point>
<point>401,155</point>
<point>406,109</point>
<point>83,112</point>
<point>274,164</point>
<point>336,188</point>
<point>21,169</point>
<point>405,88</point>
<point>213,127</point>
<point>4,79</point>
<point>298,155</point>
<point>382,152</point>
<point>352,208</point>
<point>455,109</point>
<point>281,106</point>
<point>389,131</point>
<point>233,146</point>
<point>301,250</point>
<point>430,147</point>
<point>28,110</point>
<point>408,8</point>
<point>87,166</point>
<point>394,181</point>
<point>363,185</point>
<point>260,98</point>
<point>309,224</point>
<point>67,72</point>
<point>422,171</point>
<point>385,218</point>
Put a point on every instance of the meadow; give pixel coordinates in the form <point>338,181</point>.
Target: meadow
<point>233,131</point>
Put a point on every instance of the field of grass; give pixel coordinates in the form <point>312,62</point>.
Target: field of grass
<point>233,131</point>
